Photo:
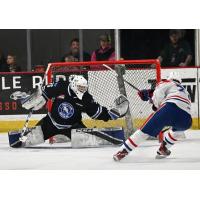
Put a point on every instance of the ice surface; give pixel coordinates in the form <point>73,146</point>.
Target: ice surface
<point>185,155</point>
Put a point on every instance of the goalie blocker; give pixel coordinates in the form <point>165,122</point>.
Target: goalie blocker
<point>80,138</point>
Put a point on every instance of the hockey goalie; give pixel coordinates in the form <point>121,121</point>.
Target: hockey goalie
<point>70,99</point>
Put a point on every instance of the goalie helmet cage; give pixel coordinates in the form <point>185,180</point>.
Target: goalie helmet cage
<point>106,85</point>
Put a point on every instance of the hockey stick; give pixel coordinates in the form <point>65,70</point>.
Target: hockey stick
<point>18,95</point>
<point>106,137</point>
<point>134,87</point>
<point>31,111</point>
<point>24,133</point>
<point>21,96</point>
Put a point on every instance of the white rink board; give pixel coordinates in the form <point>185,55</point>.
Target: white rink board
<point>141,108</point>
<point>185,155</point>
<point>110,92</point>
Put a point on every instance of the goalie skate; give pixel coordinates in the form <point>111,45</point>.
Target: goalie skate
<point>163,152</point>
<point>120,155</point>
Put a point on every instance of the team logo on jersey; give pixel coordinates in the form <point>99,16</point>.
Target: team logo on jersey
<point>66,110</point>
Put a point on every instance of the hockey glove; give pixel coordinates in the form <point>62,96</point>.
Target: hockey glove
<point>145,95</point>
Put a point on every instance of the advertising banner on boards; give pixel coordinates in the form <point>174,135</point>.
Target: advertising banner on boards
<point>9,83</point>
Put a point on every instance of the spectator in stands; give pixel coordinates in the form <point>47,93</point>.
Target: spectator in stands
<point>12,63</point>
<point>177,52</point>
<point>70,58</point>
<point>105,52</point>
<point>39,68</point>
<point>75,51</point>
<point>3,65</point>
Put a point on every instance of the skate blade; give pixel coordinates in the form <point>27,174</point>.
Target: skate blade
<point>161,156</point>
<point>115,158</point>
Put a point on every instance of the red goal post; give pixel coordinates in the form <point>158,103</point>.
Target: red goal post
<point>98,64</point>
<point>105,86</point>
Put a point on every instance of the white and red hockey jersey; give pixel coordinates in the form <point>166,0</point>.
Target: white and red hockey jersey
<point>174,92</point>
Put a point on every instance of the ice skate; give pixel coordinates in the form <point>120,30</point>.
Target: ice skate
<point>163,152</point>
<point>120,155</point>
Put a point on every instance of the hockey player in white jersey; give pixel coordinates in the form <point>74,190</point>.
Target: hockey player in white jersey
<point>172,105</point>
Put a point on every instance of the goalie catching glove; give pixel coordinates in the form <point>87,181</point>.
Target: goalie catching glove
<point>35,101</point>
<point>120,107</point>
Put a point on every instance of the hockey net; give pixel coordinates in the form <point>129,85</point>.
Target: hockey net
<point>103,84</point>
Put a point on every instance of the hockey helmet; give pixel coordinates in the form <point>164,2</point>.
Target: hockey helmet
<point>174,76</point>
<point>79,85</point>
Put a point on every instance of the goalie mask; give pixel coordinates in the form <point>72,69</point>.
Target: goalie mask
<point>79,85</point>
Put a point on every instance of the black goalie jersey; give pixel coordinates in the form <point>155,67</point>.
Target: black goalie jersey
<point>67,109</point>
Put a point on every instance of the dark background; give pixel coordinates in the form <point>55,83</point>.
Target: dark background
<point>147,43</point>
<point>50,45</point>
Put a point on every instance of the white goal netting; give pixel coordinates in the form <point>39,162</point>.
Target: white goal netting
<point>105,86</point>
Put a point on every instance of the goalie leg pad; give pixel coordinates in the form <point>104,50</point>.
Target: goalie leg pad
<point>34,137</point>
<point>94,137</point>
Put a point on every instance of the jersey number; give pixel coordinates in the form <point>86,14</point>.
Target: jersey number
<point>182,89</point>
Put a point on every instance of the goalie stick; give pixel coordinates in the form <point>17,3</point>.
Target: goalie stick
<point>24,133</point>
<point>102,134</point>
<point>134,87</point>
<point>23,95</point>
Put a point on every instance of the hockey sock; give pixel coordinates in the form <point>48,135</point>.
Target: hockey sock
<point>134,140</point>
<point>169,138</point>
